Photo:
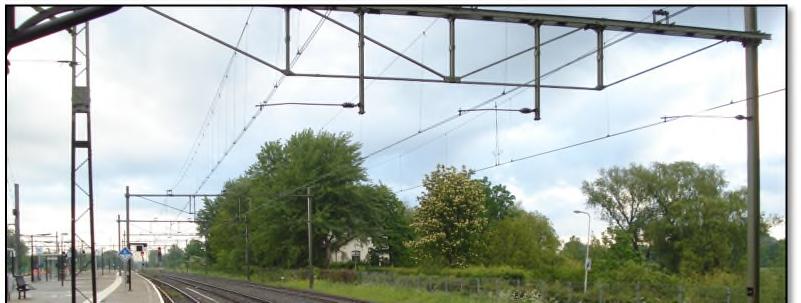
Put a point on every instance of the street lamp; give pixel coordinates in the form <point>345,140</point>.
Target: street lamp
<point>587,254</point>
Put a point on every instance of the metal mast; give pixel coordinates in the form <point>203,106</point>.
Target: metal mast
<point>81,145</point>
<point>752,103</point>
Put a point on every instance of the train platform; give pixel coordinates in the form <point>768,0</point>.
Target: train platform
<point>110,288</point>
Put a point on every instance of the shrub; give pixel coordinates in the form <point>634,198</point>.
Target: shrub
<point>339,275</point>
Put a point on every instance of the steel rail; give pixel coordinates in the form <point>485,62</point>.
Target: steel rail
<point>195,283</point>
<point>162,282</point>
<point>326,298</point>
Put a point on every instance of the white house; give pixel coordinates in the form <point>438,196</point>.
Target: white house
<point>354,248</point>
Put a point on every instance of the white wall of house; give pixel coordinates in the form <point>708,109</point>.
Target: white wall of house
<point>345,253</point>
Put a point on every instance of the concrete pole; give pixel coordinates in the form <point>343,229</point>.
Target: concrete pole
<point>32,249</point>
<point>119,242</point>
<point>128,233</point>
<point>752,95</point>
<point>247,248</point>
<point>309,236</point>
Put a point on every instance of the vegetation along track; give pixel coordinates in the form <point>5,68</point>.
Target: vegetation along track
<point>242,291</point>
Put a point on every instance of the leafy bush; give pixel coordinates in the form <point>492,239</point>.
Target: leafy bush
<point>503,272</point>
<point>633,272</point>
<point>339,275</point>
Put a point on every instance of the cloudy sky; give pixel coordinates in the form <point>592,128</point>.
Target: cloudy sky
<point>165,111</point>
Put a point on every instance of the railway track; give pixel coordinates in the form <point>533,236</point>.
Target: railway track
<point>206,289</point>
<point>172,293</point>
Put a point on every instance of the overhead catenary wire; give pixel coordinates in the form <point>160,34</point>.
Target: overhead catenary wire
<point>434,125</point>
<point>250,122</point>
<point>210,112</point>
<point>630,130</point>
<point>362,159</point>
<point>614,40</point>
<point>386,68</point>
<point>265,101</point>
<point>515,89</point>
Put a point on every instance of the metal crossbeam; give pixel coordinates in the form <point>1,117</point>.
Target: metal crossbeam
<point>554,20</point>
<point>161,221</point>
<point>174,195</point>
<point>163,234</point>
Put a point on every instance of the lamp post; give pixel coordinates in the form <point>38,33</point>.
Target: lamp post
<point>587,254</point>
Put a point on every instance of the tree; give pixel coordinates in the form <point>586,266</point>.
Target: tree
<point>270,200</point>
<point>527,240</point>
<point>621,195</point>
<point>574,249</point>
<point>393,230</point>
<point>174,258</point>
<point>11,242</point>
<point>451,217</point>
<point>678,215</point>
<point>499,202</point>
<point>773,253</point>
<point>205,217</point>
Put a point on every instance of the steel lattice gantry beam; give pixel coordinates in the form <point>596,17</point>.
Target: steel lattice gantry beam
<point>553,20</point>
<point>451,13</point>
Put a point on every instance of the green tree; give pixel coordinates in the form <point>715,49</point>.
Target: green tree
<point>205,217</point>
<point>451,218</point>
<point>195,248</point>
<point>622,197</point>
<point>499,202</point>
<point>226,238</point>
<point>772,252</point>
<point>270,200</point>
<point>679,215</point>
<point>527,240</point>
<point>23,261</point>
<point>174,258</point>
<point>394,225</point>
<point>109,259</point>
<point>574,249</point>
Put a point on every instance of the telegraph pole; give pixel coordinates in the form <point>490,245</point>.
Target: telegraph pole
<point>239,217</point>
<point>32,250</point>
<point>309,236</point>
<point>128,232</point>
<point>247,245</point>
<point>309,233</point>
<point>119,242</point>
<point>752,97</point>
